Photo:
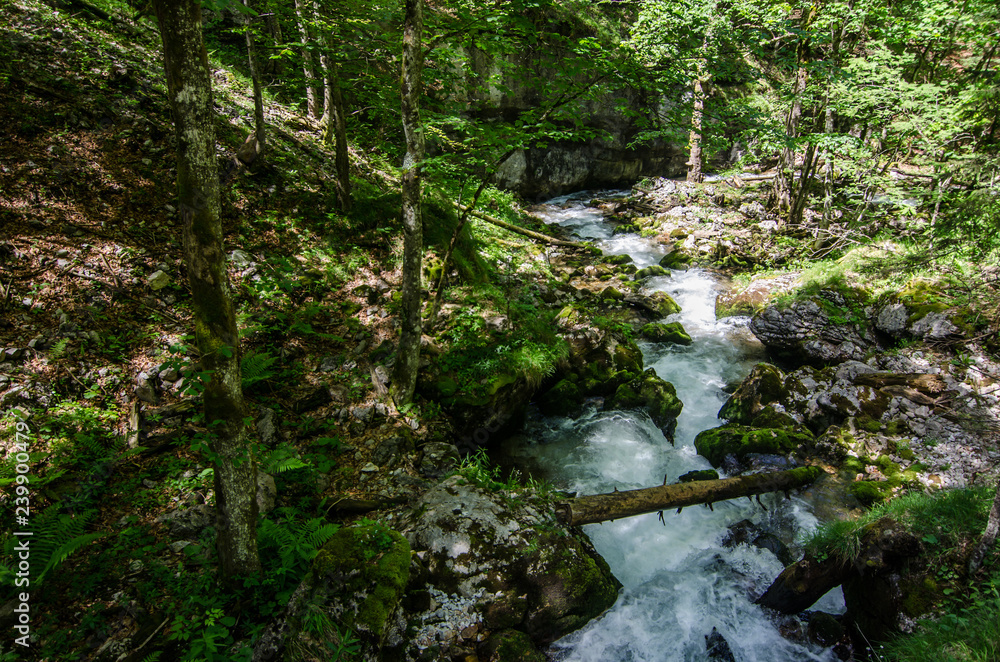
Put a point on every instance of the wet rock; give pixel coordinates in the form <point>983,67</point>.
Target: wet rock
<point>672,332</point>
<point>658,304</point>
<point>510,646</point>
<point>717,648</point>
<point>746,532</point>
<point>824,629</point>
<point>563,399</point>
<point>650,272</point>
<point>698,474</point>
<point>740,441</point>
<point>657,396</point>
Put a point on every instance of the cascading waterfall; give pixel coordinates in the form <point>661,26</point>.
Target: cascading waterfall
<point>679,582</point>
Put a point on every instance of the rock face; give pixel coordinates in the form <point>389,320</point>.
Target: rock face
<point>490,571</point>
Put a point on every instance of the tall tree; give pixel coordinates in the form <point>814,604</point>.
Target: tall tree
<point>408,356</point>
<point>189,86</point>
<point>258,93</point>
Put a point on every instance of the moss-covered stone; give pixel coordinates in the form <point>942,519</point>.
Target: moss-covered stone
<point>362,573</point>
<point>664,304</point>
<point>763,386</point>
<point>656,396</point>
<point>628,357</point>
<point>612,293</point>
<point>869,492</point>
<point>563,399</point>
<point>740,441</point>
<point>650,272</point>
<point>618,259</point>
<point>675,260</point>
<point>670,333</point>
<point>769,417</point>
<point>510,646</point>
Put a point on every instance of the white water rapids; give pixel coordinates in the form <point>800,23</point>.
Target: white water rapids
<point>679,582</point>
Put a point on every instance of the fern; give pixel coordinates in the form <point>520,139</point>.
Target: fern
<point>297,541</point>
<point>56,537</point>
<point>58,349</point>
<point>256,367</point>
<point>280,460</point>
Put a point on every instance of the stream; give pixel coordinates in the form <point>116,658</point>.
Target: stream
<point>679,581</point>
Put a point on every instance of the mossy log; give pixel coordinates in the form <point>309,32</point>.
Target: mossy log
<point>616,505</point>
<point>537,236</point>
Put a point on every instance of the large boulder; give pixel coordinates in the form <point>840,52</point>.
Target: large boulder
<point>652,393</point>
<point>740,441</point>
<point>763,386</point>
<point>818,330</point>
<point>672,332</point>
<point>487,562</point>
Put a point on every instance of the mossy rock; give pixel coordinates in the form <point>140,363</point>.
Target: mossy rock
<point>628,357</point>
<point>656,396</point>
<point>627,228</point>
<point>675,260</point>
<point>650,272</point>
<point>664,304</point>
<point>869,492</point>
<point>612,293</point>
<point>359,577</point>
<point>699,474</point>
<point>671,333</point>
<point>510,646</point>
<point>763,386</point>
<point>563,399</point>
<point>618,259</point>
<point>771,418</point>
<point>446,386</point>
<point>740,441</point>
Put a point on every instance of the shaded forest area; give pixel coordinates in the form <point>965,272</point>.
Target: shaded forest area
<point>378,307</point>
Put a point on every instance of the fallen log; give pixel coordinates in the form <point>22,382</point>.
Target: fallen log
<point>616,505</point>
<point>538,236</point>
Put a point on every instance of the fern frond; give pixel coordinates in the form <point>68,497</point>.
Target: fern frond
<point>58,536</point>
<point>281,459</point>
<point>256,367</point>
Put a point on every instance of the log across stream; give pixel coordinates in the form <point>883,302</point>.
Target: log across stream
<point>679,580</point>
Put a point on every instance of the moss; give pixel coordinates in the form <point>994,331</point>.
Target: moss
<point>628,357</point>
<point>675,260</point>
<point>664,304</point>
<point>886,465</point>
<point>618,259</point>
<point>367,568</point>
<point>511,646</point>
<point>649,272</point>
<point>869,492</point>
<point>764,385</point>
<point>853,465</point>
<point>668,333</point>
<point>919,595</point>
<point>612,293</point>
<point>895,428</point>
<point>563,399</point>
<point>658,397</point>
<point>868,423</point>
<point>585,581</point>
<point>738,440</point>
<point>769,417</point>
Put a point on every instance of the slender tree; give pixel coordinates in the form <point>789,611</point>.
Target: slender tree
<point>258,93</point>
<point>189,86</point>
<point>408,357</point>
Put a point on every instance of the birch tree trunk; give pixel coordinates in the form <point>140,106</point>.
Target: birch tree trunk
<point>408,356</point>
<point>190,89</point>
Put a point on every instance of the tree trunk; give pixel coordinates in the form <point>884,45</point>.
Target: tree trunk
<point>258,94</point>
<point>303,18</point>
<point>989,535</point>
<point>696,159</point>
<point>190,89</point>
<point>404,380</point>
<point>607,507</point>
<point>784,183</point>
<point>335,126</point>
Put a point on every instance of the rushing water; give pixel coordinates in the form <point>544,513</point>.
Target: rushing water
<point>679,582</point>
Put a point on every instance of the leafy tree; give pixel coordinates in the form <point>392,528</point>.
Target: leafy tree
<point>190,90</point>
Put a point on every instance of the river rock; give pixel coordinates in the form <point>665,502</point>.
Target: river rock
<point>650,392</point>
<point>806,333</point>
<point>717,648</point>
<point>764,385</point>
<point>508,564</point>
<point>672,332</point>
<point>740,441</point>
